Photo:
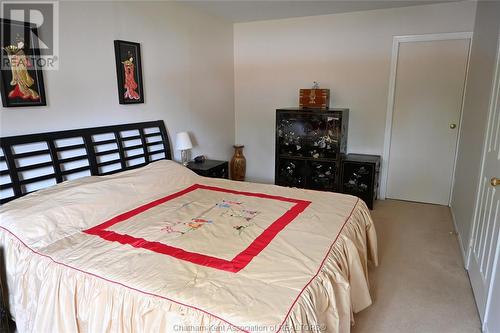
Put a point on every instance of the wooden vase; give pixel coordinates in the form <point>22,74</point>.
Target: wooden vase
<point>238,164</point>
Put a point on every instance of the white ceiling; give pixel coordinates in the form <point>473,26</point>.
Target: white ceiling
<point>256,10</point>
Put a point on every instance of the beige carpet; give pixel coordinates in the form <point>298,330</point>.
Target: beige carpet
<point>420,284</point>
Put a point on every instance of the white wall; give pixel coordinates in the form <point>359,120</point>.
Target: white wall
<point>348,53</point>
<point>477,97</point>
<point>187,60</point>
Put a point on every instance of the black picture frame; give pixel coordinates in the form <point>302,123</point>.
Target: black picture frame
<point>30,88</point>
<point>128,58</point>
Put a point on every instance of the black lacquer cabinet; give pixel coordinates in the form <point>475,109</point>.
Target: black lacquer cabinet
<point>310,145</point>
<point>360,176</point>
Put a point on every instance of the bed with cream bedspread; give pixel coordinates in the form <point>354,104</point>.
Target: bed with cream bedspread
<point>160,249</point>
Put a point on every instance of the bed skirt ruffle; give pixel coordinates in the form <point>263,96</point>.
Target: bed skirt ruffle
<point>47,296</point>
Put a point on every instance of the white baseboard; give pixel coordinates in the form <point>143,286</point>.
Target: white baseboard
<point>460,240</point>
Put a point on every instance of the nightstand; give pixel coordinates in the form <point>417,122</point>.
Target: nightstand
<point>210,168</point>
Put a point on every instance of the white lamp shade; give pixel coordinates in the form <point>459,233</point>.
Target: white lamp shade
<point>183,142</point>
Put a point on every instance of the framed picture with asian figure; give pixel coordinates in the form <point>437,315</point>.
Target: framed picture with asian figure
<point>21,77</point>
<point>129,72</point>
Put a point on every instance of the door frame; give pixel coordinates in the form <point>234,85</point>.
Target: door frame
<point>396,41</point>
<point>495,95</point>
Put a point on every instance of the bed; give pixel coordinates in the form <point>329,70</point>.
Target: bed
<point>152,247</point>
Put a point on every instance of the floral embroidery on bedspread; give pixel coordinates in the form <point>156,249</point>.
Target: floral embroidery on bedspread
<point>224,208</point>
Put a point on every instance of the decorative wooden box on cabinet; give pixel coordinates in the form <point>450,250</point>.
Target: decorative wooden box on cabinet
<point>310,145</point>
<point>360,176</point>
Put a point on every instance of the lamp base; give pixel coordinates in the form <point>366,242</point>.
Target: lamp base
<point>184,157</point>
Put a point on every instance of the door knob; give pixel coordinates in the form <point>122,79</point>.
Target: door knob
<point>495,181</point>
<point>453,126</point>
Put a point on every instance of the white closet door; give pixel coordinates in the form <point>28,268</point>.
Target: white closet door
<point>485,246</point>
<point>430,77</point>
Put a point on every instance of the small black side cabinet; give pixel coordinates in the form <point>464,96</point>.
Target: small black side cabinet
<point>210,168</point>
<point>360,176</point>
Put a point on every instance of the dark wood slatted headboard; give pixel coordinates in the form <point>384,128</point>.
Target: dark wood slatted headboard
<point>31,162</point>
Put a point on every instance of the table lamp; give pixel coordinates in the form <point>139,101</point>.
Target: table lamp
<point>183,143</point>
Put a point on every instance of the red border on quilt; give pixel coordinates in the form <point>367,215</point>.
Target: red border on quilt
<point>236,264</point>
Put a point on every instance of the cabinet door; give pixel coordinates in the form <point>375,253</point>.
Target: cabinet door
<point>321,175</point>
<point>357,179</point>
<point>291,173</point>
<point>333,135</point>
<point>307,135</point>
